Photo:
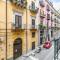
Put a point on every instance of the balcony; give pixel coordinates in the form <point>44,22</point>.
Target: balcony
<point>55,20</point>
<point>48,8</point>
<point>42,3</point>
<point>52,11</point>
<point>42,14</point>
<point>21,3</point>
<point>48,16</point>
<point>33,27</point>
<point>52,19</point>
<point>18,28</point>
<point>33,8</point>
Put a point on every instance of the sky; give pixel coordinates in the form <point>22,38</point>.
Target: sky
<point>56,4</point>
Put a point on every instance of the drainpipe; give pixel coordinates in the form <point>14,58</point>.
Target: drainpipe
<point>26,30</point>
<point>6,29</point>
<point>48,36</point>
<point>47,29</point>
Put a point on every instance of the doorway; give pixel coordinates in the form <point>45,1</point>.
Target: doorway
<point>17,48</point>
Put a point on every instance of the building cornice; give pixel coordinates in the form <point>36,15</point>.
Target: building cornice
<point>55,11</point>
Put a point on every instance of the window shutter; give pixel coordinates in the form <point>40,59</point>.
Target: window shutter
<point>16,20</point>
<point>20,21</point>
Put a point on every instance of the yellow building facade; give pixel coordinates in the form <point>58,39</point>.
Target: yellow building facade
<point>22,29</point>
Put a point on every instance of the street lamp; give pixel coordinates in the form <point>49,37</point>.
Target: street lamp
<point>56,49</point>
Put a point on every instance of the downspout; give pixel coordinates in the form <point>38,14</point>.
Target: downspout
<point>6,29</point>
<point>26,30</point>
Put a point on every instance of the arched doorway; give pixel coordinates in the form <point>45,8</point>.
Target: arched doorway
<point>17,48</point>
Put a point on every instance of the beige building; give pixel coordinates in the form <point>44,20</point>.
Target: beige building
<point>21,28</point>
<point>23,34</point>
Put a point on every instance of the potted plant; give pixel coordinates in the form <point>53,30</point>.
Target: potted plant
<point>41,26</point>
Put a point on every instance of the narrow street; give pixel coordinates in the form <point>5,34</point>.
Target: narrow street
<point>29,29</point>
<point>46,54</point>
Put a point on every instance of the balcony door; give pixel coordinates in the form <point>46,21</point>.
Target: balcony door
<point>18,21</point>
<point>33,5</point>
<point>33,23</point>
<point>48,16</point>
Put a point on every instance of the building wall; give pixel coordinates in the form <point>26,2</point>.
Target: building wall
<point>29,22</point>
<point>13,9</point>
<point>12,35</point>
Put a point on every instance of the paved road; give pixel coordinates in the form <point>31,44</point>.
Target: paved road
<point>46,54</point>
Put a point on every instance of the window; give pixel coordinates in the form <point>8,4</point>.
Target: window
<point>33,22</point>
<point>48,16</point>
<point>51,19</point>
<point>55,25</point>
<point>21,1</point>
<point>41,21</point>
<point>33,45</point>
<point>48,8</point>
<point>33,5</point>
<point>33,34</point>
<point>18,20</point>
<point>41,32</point>
<point>55,20</point>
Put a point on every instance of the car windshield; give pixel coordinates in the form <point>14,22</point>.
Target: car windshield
<point>46,43</point>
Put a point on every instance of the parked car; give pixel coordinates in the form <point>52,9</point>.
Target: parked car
<point>47,45</point>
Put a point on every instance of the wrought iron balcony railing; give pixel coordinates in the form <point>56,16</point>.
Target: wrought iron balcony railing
<point>42,3</point>
<point>52,11</point>
<point>48,8</point>
<point>21,3</point>
<point>48,16</point>
<point>20,27</point>
<point>35,10</point>
<point>33,27</point>
<point>42,14</point>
